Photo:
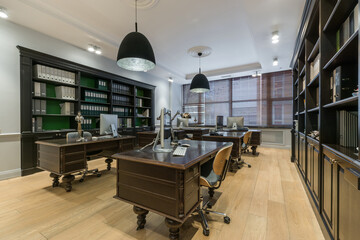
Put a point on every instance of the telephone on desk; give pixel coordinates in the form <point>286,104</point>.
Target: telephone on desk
<point>243,129</point>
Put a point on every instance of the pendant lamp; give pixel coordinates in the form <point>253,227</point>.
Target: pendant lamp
<point>199,83</point>
<point>135,51</point>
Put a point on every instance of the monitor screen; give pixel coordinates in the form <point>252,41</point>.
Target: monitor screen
<point>238,120</point>
<point>106,120</point>
<point>167,118</point>
<point>219,121</point>
<point>184,121</point>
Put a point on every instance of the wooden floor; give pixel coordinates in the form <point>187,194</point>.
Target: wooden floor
<point>266,201</point>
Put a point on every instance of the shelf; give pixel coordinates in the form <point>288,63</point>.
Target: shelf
<point>122,105</point>
<point>93,116</point>
<point>143,107</point>
<point>57,131</point>
<point>302,92</point>
<point>302,73</point>
<point>296,82</point>
<point>345,53</point>
<point>297,97</point>
<point>53,98</point>
<point>339,14</point>
<point>344,152</point>
<point>303,112</point>
<point>54,83</point>
<point>95,89</point>
<point>351,101</point>
<point>143,97</point>
<point>313,140</point>
<point>124,116</point>
<point>315,81</point>
<point>53,115</point>
<point>143,117</point>
<point>314,51</point>
<point>316,109</point>
<point>124,94</point>
<point>296,114</point>
<point>88,102</point>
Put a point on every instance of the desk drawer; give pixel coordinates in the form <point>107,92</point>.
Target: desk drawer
<point>73,157</point>
<point>102,146</point>
<point>74,166</point>
<point>72,149</point>
<point>191,172</point>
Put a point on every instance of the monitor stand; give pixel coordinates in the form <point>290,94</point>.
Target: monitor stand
<point>167,148</point>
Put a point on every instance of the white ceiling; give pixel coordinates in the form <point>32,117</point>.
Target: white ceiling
<point>238,31</point>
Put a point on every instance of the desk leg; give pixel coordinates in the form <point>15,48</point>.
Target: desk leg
<point>109,161</point>
<point>253,148</point>
<point>141,217</point>
<point>55,179</point>
<point>174,228</point>
<point>67,179</point>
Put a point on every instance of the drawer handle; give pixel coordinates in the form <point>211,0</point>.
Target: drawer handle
<point>333,161</point>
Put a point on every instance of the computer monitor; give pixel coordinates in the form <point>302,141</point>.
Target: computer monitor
<point>219,122</point>
<point>108,124</point>
<point>182,122</point>
<point>239,121</point>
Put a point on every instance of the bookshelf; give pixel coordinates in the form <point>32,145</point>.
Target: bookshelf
<point>325,112</point>
<point>53,90</point>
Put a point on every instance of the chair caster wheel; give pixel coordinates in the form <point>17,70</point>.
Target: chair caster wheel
<point>206,232</point>
<point>249,166</point>
<point>226,220</point>
<point>81,180</point>
<point>209,205</point>
<point>98,175</point>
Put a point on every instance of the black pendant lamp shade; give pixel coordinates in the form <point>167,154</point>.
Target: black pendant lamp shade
<point>135,51</point>
<point>199,83</point>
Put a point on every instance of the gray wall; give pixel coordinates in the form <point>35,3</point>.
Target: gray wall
<point>13,35</point>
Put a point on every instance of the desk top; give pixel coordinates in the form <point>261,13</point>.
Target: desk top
<point>227,135</point>
<point>197,151</point>
<point>155,132</point>
<point>63,143</point>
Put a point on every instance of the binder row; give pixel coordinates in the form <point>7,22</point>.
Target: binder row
<point>121,100</point>
<point>347,28</point>
<point>87,124</point>
<point>37,124</point>
<point>314,67</point>
<point>348,128</point>
<point>53,74</point>
<point>121,111</point>
<point>38,107</point>
<point>120,88</point>
<point>39,89</point>
<point>92,96</point>
<point>125,122</point>
<point>139,102</point>
<point>93,110</point>
<point>102,85</point>
<point>65,92</point>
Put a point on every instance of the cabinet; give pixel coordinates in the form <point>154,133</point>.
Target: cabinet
<point>296,140</point>
<point>302,154</point>
<point>313,169</point>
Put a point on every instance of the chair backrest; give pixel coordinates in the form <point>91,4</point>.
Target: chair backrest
<point>221,161</point>
<point>247,137</point>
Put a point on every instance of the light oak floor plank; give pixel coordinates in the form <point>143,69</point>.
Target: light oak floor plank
<point>266,201</point>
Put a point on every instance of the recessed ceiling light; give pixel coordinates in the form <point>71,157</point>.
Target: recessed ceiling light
<point>98,51</point>
<point>275,62</point>
<point>3,12</point>
<point>170,79</point>
<point>275,37</point>
<point>91,48</point>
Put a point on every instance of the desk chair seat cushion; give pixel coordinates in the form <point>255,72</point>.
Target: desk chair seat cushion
<point>211,180</point>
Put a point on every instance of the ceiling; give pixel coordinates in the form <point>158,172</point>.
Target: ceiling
<point>238,31</point>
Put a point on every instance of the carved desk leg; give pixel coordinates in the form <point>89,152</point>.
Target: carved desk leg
<point>253,148</point>
<point>141,217</point>
<point>67,179</point>
<point>55,179</point>
<point>174,228</point>
<point>108,161</point>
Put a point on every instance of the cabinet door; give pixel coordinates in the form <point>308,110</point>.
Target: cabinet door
<point>310,162</point>
<point>349,204</point>
<point>296,148</point>
<point>316,174</point>
<point>328,188</point>
<point>302,155</point>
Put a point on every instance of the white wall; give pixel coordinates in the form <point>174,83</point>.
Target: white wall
<point>13,35</point>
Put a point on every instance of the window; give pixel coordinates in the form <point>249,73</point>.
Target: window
<point>262,101</point>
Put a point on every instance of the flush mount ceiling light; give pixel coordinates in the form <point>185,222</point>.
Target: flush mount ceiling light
<point>91,48</point>
<point>275,62</point>
<point>275,37</point>
<point>94,49</point>
<point>199,83</point>
<point>135,51</point>
<point>98,51</point>
<point>3,12</point>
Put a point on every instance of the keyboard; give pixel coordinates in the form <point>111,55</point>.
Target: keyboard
<point>105,137</point>
<point>180,151</point>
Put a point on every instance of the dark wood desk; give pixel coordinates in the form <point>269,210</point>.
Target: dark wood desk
<point>162,183</point>
<point>255,140</point>
<point>147,137</point>
<point>62,158</point>
<point>196,132</point>
<point>234,137</point>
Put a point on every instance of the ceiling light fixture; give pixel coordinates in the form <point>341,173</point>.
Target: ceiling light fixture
<point>135,51</point>
<point>275,37</point>
<point>91,48</point>
<point>170,79</point>
<point>275,62</point>
<point>98,51</point>
<point>199,83</point>
<point>256,74</point>
<point>3,13</point>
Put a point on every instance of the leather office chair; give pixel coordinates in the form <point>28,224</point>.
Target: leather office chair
<point>212,179</point>
<point>72,137</point>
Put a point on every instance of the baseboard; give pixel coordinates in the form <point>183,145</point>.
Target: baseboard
<point>28,171</point>
<point>273,145</point>
<point>318,216</point>
<point>10,174</point>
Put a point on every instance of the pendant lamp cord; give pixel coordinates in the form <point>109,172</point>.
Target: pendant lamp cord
<point>136,28</point>
<point>199,54</point>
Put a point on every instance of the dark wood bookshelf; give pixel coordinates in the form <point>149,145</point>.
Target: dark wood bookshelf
<point>54,115</point>
<point>123,94</point>
<point>323,163</point>
<point>54,98</point>
<point>345,53</point>
<point>95,89</point>
<point>351,101</point>
<point>54,82</point>
<point>97,103</point>
<point>143,107</point>
<point>122,105</point>
<point>149,98</point>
